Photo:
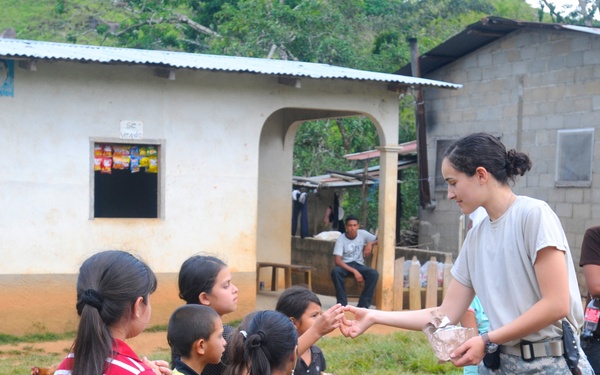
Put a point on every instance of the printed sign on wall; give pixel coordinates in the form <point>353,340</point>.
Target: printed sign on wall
<point>7,76</point>
<point>132,130</point>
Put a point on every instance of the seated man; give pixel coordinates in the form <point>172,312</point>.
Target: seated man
<point>349,251</point>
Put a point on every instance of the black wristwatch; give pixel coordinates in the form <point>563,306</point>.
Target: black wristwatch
<point>490,347</point>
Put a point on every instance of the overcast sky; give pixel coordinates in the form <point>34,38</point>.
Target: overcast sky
<point>559,3</point>
<point>559,6</point>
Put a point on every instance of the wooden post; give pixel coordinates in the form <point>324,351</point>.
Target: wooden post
<point>398,284</point>
<point>432,284</point>
<point>414,286</point>
<point>364,194</point>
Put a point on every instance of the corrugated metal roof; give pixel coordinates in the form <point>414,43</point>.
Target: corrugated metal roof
<point>28,49</point>
<point>354,178</point>
<point>337,181</point>
<point>402,149</point>
<point>478,35</point>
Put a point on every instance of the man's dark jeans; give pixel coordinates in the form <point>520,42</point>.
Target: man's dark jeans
<point>338,275</point>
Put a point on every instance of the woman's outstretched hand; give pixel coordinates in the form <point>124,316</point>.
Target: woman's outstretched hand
<point>355,327</point>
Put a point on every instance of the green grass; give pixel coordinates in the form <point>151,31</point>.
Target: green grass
<point>396,353</point>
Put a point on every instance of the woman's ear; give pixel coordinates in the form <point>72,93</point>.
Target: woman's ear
<point>203,299</point>
<point>482,174</point>
<point>295,322</point>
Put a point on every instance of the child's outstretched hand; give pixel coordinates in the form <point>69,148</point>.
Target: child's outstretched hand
<point>329,320</point>
<point>354,327</point>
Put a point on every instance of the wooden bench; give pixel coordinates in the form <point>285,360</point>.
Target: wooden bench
<point>287,269</point>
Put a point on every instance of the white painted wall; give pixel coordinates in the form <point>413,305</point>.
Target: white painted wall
<point>211,128</point>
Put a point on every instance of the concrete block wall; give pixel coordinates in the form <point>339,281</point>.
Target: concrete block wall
<point>523,87</point>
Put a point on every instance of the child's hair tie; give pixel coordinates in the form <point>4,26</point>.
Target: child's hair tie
<point>245,334</point>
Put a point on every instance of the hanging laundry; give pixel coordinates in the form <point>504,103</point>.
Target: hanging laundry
<point>300,208</point>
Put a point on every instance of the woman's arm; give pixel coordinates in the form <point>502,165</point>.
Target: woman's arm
<point>551,271</point>
<point>458,298</point>
<point>468,320</point>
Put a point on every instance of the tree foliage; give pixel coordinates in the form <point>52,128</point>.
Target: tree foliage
<point>362,34</point>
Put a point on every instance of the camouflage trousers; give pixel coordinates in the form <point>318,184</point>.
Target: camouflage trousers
<point>514,364</point>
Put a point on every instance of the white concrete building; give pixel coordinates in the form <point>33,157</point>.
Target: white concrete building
<point>222,128</point>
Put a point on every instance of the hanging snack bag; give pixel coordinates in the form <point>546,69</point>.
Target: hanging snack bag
<point>144,161</point>
<point>117,161</point>
<point>134,150</point>
<point>107,150</point>
<point>98,149</point>
<point>134,165</point>
<point>153,166</point>
<point>106,165</point>
<point>125,160</point>
<point>142,151</point>
<point>151,151</point>
<point>97,163</point>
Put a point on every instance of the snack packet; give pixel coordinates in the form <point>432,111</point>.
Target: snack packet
<point>444,337</point>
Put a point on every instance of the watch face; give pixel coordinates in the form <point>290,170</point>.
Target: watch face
<point>490,347</point>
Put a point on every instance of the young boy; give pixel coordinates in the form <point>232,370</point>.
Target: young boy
<point>195,335</point>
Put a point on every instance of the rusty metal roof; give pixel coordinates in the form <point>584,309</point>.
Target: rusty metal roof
<point>354,178</point>
<point>406,148</point>
<point>335,180</point>
<point>37,50</point>
<point>478,35</point>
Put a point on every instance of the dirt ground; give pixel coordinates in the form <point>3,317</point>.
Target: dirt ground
<point>144,344</point>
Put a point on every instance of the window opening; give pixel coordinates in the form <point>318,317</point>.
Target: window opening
<point>126,180</point>
<point>574,157</point>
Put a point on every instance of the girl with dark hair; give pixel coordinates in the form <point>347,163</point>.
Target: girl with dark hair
<point>206,280</point>
<point>195,335</point>
<point>303,308</point>
<point>113,302</point>
<point>235,348</point>
<point>517,261</point>
<point>270,344</point>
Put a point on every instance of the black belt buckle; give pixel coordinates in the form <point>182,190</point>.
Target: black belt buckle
<point>530,344</point>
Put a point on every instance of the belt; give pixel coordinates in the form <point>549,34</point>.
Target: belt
<point>531,350</point>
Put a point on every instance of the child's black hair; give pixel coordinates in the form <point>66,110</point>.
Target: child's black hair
<point>188,324</point>
<point>294,301</point>
<point>198,274</point>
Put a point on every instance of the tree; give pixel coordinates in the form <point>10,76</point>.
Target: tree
<point>581,13</point>
<point>362,34</point>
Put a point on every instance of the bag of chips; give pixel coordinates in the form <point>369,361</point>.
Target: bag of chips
<point>106,165</point>
<point>443,337</point>
<point>97,163</point>
<point>153,165</point>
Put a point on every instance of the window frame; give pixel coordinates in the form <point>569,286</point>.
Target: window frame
<point>560,158</point>
<point>160,145</point>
